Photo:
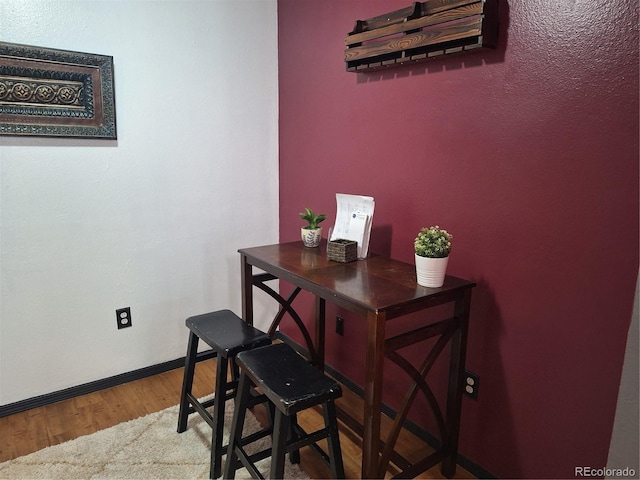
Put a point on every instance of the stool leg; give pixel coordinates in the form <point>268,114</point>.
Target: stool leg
<point>281,429</point>
<point>294,456</point>
<point>235,370</point>
<point>218,417</point>
<point>235,437</point>
<point>335,453</point>
<point>187,382</point>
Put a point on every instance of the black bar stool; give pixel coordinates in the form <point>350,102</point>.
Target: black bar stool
<point>291,385</point>
<point>227,335</point>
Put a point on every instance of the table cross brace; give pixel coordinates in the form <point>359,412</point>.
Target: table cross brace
<point>445,329</point>
<point>285,307</point>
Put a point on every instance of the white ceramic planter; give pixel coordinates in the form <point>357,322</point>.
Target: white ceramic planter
<point>430,272</point>
<point>311,238</point>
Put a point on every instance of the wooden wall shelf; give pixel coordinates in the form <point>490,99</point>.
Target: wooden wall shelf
<point>422,31</point>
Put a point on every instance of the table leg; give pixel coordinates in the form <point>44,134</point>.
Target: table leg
<point>373,395</point>
<point>246,280</point>
<point>456,380</point>
<point>320,332</point>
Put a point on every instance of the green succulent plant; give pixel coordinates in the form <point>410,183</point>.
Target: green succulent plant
<point>433,242</point>
<point>312,218</point>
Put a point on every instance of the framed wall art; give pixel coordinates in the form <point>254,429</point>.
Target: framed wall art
<point>56,93</point>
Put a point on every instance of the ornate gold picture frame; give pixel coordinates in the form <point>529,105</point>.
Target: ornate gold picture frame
<point>56,93</point>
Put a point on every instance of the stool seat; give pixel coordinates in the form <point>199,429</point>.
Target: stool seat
<point>291,385</point>
<point>227,335</point>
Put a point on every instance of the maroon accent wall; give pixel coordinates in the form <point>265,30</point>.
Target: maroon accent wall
<point>529,156</point>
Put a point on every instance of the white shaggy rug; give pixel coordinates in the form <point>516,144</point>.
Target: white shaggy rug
<point>146,448</point>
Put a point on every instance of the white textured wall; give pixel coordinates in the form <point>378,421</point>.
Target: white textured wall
<point>153,220</point>
<point>625,442</point>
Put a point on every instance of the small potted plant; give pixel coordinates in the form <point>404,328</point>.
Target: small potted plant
<point>312,233</point>
<point>432,248</point>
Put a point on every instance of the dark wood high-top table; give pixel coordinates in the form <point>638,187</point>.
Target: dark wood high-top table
<point>378,289</point>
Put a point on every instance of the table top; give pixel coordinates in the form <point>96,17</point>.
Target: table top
<point>376,284</point>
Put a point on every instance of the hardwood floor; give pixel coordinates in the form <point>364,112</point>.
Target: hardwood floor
<point>29,431</point>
